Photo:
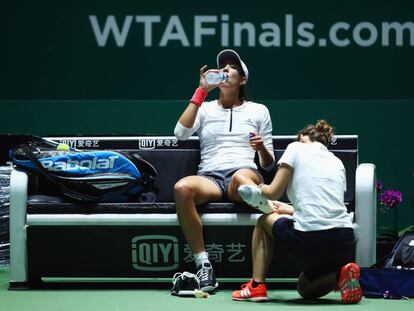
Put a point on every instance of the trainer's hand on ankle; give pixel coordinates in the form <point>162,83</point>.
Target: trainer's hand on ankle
<point>282,208</point>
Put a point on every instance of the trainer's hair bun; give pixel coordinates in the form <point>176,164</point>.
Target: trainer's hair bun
<point>325,130</point>
<point>321,132</point>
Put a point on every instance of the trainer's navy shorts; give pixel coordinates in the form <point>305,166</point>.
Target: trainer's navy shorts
<point>222,179</point>
<point>317,252</point>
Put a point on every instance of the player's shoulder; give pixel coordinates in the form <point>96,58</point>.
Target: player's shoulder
<point>256,106</point>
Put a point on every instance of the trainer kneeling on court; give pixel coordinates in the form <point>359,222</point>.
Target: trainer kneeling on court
<point>318,231</point>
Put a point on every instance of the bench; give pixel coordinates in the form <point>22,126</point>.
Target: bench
<point>54,241</point>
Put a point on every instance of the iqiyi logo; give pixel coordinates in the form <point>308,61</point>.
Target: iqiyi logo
<point>155,252</point>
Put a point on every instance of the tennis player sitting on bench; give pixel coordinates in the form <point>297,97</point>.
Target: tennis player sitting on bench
<point>231,130</point>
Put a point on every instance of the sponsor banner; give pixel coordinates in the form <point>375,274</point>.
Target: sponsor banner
<point>148,143</point>
<point>141,252</point>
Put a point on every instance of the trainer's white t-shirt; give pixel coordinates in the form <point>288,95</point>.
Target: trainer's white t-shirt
<point>224,135</point>
<point>317,187</point>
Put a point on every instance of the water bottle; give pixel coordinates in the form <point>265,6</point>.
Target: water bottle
<point>215,77</point>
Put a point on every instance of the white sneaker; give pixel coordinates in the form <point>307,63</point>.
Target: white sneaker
<point>252,195</point>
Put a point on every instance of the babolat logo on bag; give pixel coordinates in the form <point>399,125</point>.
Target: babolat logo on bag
<point>68,165</point>
<point>93,176</point>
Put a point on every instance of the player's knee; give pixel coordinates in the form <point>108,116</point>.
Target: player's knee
<point>238,179</point>
<point>183,190</point>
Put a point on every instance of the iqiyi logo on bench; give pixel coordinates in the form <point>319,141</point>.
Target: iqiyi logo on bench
<point>155,252</point>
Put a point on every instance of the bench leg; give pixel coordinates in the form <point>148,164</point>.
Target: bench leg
<point>18,250</point>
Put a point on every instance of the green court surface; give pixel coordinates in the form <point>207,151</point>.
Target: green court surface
<point>139,299</point>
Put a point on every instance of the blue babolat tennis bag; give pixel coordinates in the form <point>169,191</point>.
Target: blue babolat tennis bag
<point>89,176</point>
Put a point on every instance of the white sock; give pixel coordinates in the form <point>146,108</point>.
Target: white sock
<point>200,258</point>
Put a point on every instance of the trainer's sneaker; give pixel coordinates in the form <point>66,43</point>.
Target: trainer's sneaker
<point>207,278</point>
<point>184,284</point>
<point>253,196</point>
<point>249,293</point>
<point>348,284</point>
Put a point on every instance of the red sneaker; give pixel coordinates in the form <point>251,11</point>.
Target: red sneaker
<point>348,284</point>
<point>249,293</point>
